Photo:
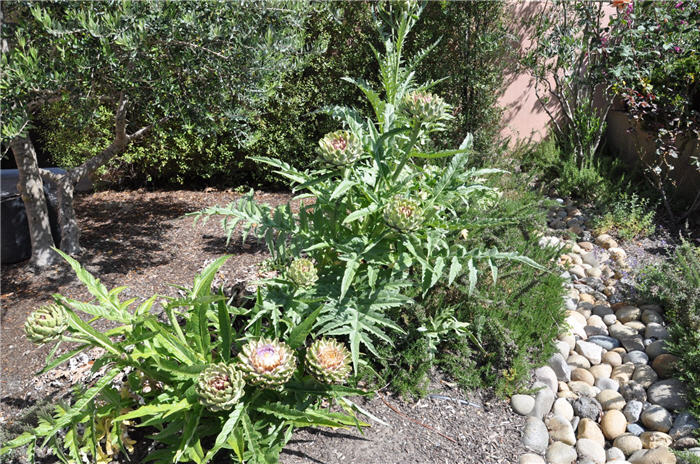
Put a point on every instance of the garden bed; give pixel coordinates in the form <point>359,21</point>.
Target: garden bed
<point>141,239</point>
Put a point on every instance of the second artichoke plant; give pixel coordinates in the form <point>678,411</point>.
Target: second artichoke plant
<point>267,363</point>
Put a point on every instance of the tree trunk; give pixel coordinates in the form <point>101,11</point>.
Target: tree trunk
<point>31,189</point>
<point>67,222</point>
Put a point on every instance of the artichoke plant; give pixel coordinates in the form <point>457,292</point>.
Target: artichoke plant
<point>46,324</point>
<point>403,214</point>
<point>425,106</point>
<point>267,363</point>
<point>328,361</point>
<point>220,386</point>
<point>340,148</point>
<point>302,272</point>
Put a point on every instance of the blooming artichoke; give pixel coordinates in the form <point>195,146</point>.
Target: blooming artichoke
<point>220,386</point>
<point>340,148</point>
<point>267,363</point>
<point>403,214</point>
<point>425,106</point>
<point>302,272</point>
<point>46,324</point>
<point>328,361</point>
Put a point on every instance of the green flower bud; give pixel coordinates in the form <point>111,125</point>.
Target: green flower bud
<point>403,214</point>
<point>220,386</point>
<point>328,361</point>
<point>340,148</point>
<point>46,324</point>
<point>302,272</point>
<point>425,107</point>
<point>267,363</point>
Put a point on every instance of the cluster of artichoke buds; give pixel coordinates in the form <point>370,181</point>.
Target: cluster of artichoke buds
<point>403,214</point>
<point>302,272</point>
<point>267,363</point>
<point>46,324</point>
<point>340,148</point>
<point>328,361</point>
<point>220,386</point>
<point>425,106</point>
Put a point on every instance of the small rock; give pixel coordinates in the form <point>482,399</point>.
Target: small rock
<point>637,326</point>
<point>546,375</point>
<point>589,449</point>
<point>656,330</point>
<point>522,404</point>
<point>683,426</point>
<point>560,453</point>
<point>560,430</point>
<point>631,391</point>
<point>529,458</point>
<point>569,339</point>
<point>644,375</point>
<point>601,371</point>
<point>558,364</point>
<point>649,315</point>
<point>670,393</point>
<point>623,373</point>
<point>617,253</point>
<point>656,348</point>
<point>585,246</point>
<point>576,360</point>
<point>543,401</point>
<point>590,351</point>
<point>665,365</point>
<point>628,313</point>
<point>661,455</point>
<point>590,258</point>
<point>635,429</point>
<point>613,424</point>
<point>686,442</point>
<point>607,384</point>
<point>614,454</point>
<point>657,418</point>
<point>602,310</point>
<point>535,436</point>
<point>603,340</point>
<point>562,348</point>
<point>609,319</point>
<point>606,241</point>
<point>612,358</point>
<point>587,407</point>
<point>594,272</point>
<point>633,343</point>
<point>636,357</point>
<point>578,271</point>
<point>628,443</point>
<point>632,410</point>
<point>588,429</point>
<point>610,399</point>
<point>651,440</point>
<point>583,389</point>
<point>652,307</point>
<point>582,375</point>
<point>620,331</point>
<point>563,408</point>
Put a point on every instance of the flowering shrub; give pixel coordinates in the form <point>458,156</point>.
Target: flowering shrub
<point>385,224</point>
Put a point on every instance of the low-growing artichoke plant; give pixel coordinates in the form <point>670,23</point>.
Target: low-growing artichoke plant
<point>328,361</point>
<point>403,214</point>
<point>220,386</point>
<point>340,148</point>
<point>425,106</point>
<point>302,272</point>
<point>267,363</point>
<point>46,324</point>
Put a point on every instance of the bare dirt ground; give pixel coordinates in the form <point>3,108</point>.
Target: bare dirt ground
<point>142,240</point>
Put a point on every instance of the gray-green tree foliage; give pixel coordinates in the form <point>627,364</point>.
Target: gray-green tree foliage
<point>201,65</point>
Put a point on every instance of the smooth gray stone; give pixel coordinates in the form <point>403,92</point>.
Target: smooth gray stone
<point>635,429</point>
<point>669,393</point>
<point>607,384</point>
<point>633,391</point>
<point>636,357</point>
<point>656,348</point>
<point>522,404</point>
<point>586,407</point>
<point>562,370</point>
<point>633,343</point>
<point>544,399</point>
<point>535,435</point>
<point>604,341</point>
<point>632,410</point>
<point>683,426</point>
<point>657,418</point>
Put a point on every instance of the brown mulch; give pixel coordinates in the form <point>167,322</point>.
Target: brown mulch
<point>142,240</point>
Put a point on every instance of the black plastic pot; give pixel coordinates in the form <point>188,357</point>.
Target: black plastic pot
<point>14,228</point>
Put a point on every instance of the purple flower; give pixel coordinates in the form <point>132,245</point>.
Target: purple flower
<point>677,49</point>
<point>679,4</point>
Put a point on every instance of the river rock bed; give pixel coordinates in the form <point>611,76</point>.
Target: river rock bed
<point>608,395</point>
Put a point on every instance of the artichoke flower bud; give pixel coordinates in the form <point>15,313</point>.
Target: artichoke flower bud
<point>220,386</point>
<point>46,324</point>
<point>328,361</point>
<point>267,363</point>
<point>302,272</point>
<point>425,106</point>
<point>340,148</point>
<point>403,214</point>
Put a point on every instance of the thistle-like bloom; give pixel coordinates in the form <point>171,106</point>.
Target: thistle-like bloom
<point>403,214</point>
<point>328,361</point>
<point>46,324</point>
<point>340,148</point>
<point>267,363</point>
<point>425,106</point>
<point>302,272</point>
<point>220,386</point>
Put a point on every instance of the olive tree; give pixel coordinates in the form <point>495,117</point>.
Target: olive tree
<point>201,65</point>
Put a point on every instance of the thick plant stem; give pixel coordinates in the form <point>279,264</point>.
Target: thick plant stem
<point>31,189</point>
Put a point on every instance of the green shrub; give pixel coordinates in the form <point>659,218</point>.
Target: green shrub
<point>629,216</point>
<point>675,285</point>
